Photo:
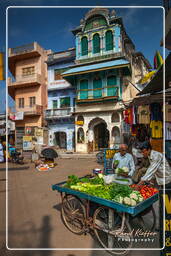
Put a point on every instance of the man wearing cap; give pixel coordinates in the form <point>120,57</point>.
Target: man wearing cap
<point>124,160</point>
<point>156,168</point>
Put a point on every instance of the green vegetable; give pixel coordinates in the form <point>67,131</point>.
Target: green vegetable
<point>72,180</point>
<point>120,179</point>
<point>118,189</point>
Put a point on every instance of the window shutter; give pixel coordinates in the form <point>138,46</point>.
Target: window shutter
<point>96,43</point>
<point>109,41</point>
<point>111,81</point>
<point>84,86</point>
<point>97,84</point>
<point>84,46</point>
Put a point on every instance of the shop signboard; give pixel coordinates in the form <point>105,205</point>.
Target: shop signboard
<point>27,143</point>
<point>79,122</point>
<point>19,115</point>
<point>38,132</point>
<point>108,158</point>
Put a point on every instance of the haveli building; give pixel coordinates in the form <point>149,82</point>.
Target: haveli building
<point>105,74</point>
<point>61,101</point>
<point>28,88</point>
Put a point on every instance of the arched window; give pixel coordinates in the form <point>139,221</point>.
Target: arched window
<point>97,88</point>
<point>109,40</point>
<point>84,89</point>
<point>84,46</point>
<point>80,135</point>
<point>116,135</point>
<point>112,88</point>
<point>96,43</point>
<point>115,117</point>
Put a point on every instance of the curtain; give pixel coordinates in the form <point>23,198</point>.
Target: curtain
<point>84,86</point>
<point>97,84</point>
<point>111,81</point>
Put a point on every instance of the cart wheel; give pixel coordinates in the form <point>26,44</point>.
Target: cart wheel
<point>100,157</point>
<point>73,214</point>
<point>147,219</point>
<point>107,223</point>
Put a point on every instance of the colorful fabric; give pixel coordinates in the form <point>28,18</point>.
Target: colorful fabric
<point>128,116</point>
<point>168,149</point>
<point>167,131</point>
<point>158,60</point>
<point>156,129</point>
<point>168,113</point>
<point>144,114</point>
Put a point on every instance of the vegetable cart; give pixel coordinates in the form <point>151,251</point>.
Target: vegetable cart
<point>82,213</point>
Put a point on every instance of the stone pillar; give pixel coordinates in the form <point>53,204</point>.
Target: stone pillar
<point>69,140</point>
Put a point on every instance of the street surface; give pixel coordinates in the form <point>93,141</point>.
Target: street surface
<point>34,211</point>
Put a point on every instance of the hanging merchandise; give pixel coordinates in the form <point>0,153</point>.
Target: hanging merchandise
<point>156,129</point>
<point>156,112</point>
<point>144,114</point>
<point>128,116</point>
<point>168,113</point>
<point>167,131</point>
<point>125,127</point>
<point>168,149</point>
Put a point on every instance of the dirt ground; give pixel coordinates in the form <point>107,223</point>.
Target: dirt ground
<point>34,219</point>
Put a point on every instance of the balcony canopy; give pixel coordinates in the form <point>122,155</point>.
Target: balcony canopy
<point>120,63</point>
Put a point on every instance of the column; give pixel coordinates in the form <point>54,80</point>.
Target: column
<point>69,140</point>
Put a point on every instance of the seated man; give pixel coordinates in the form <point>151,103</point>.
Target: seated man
<point>156,169</point>
<point>125,160</point>
<point>141,169</point>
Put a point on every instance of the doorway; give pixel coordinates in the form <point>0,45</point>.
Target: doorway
<point>101,136</point>
<point>60,140</point>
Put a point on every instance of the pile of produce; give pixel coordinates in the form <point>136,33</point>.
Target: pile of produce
<point>122,194</point>
<point>122,170</point>
<point>145,190</point>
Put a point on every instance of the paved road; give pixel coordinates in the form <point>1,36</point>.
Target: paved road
<point>34,212</point>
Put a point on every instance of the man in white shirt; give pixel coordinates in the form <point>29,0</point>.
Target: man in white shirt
<point>125,160</point>
<point>156,169</point>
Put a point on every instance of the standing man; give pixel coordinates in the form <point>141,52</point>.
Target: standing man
<point>157,170</point>
<point>125,160</point>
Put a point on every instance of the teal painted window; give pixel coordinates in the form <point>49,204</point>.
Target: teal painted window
<point>65,102</point>
<point>84,46</point>
<point>112,89</point>
<point>55,104</point>
<point>96,43</point>
<point>84,87</point>
<point>97,86</point>
<point>109,40</point>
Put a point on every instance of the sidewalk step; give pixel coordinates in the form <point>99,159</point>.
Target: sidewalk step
<point>77,156</point>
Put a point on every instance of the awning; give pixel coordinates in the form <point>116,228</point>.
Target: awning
<point>96,67</point>
<point>156,84</point>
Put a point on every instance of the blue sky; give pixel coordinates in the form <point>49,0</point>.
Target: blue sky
<point>51,27</point>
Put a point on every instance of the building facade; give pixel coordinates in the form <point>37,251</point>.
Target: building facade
<point>28,88</point>
<point>61,101</point>
<point>107,67</point>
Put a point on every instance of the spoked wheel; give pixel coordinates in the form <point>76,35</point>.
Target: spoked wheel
<point>100,157</point>
<point>73,214</point>
<point>147,219</point>
<point>112,231</point>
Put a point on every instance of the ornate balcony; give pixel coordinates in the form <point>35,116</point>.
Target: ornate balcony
<point>108,93</point>
<point>58,112</point>
<point>23,52</point>
<point>23,81</point>
<point>30,110</point>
